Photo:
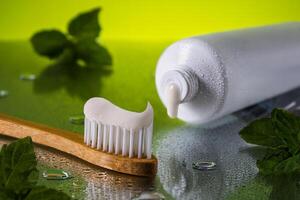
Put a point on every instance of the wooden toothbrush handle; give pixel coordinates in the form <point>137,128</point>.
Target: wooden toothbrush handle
<point>72,143</point>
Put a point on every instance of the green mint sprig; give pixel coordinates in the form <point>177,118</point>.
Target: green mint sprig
<point>280,134</point>
<point>19,174</point>
<point>78,45</point>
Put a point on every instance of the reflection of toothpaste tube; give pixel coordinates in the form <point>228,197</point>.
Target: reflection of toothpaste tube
<point>203,78</point>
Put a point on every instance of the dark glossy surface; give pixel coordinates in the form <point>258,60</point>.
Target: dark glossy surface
<point>60,92</point>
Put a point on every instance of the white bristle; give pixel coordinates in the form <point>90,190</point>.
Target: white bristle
<point>131,143</point>
<point>100,135</point>
<point>111,139</point>
<point>119,140</point>
<point>149,141</point>
<point>88,140</point>
<point>94,134</point>
<point>105,137</point>
<point>85,129</point>
<point>140,143</point>
<point>135,144</point>
<point>144,140</point>
<point>124,142</point>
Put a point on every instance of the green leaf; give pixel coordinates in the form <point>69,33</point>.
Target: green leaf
<point>261,132</point>
<point>287,127</point>
<point>44,193</point>
<point>5,196</point>
<point>285,187</point>
<point>92,53</point>
<point>85,25</point>
<point>281,135</point>
<point>50,43</point>
<point>268,165</point>
<point>279,162</point>
<point>18,173</point>
<point>289,166</point>
<point>67,57</point>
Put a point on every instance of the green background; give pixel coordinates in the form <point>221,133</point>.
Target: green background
<point>145,19</point>
<point>135,32</point>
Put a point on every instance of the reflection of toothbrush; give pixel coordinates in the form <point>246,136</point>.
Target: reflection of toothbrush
<point>126,149</point>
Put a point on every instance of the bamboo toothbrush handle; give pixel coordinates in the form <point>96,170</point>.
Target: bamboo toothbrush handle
<point>72,144</point>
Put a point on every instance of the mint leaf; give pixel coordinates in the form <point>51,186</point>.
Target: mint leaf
<point>92,53</point>
<point>261,132</point>
<point>280,134</point>
<point>287,127</point>
<point>284,187</point>
<point>85,25</point>
<point>50,43</point>
<point>44,193</point>
<point>279,162</point>
<point>78,47</point>
<point>289,166</point>
<point>67,57</point>
<point>268,165</point>
<point>5,196</point>
<point>18,173</point>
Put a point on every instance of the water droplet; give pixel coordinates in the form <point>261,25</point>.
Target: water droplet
<point>27,77</point>
<point>56,174</point>
<point>79,119</point>
<point>3,93</point>
<point>204,165</point>
<point>150,195</point>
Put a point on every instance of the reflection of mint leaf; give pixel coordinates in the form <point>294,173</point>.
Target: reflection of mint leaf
<point>85,25</point>
<point>280,134</point>
<point>18,173</point>
<point>92,53</point>
<point>44,193</point>
<point>50,43</point>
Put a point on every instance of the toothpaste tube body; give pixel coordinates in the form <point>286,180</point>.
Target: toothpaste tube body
<point>203,78</point>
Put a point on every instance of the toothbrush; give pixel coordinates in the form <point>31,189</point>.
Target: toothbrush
<point>114,138</point>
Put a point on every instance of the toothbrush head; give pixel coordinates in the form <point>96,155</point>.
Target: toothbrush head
<point>122,133</point>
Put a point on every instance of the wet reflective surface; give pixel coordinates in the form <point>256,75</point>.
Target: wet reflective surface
<point>57,101</point>
<point>150,195</point>
<point>97,183</point>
